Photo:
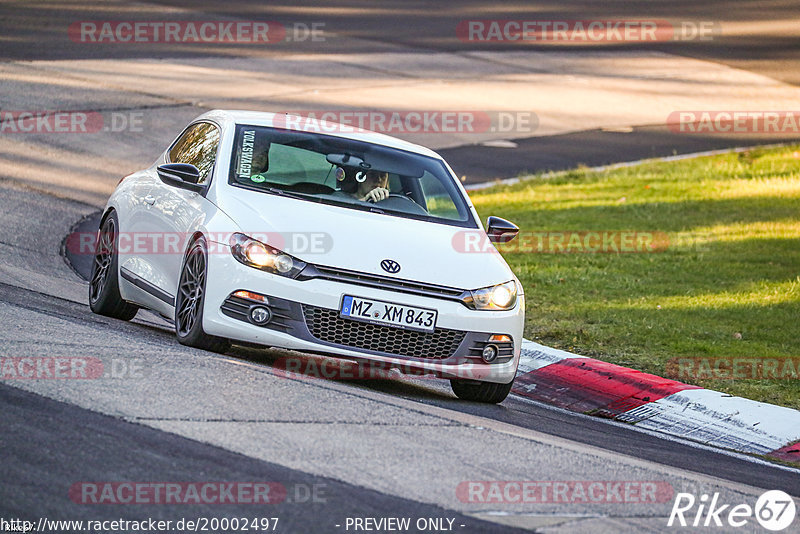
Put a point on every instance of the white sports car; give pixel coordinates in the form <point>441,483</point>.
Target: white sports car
<point>315,237</point>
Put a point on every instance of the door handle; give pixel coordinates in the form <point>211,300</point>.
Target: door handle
<point>150,200</point>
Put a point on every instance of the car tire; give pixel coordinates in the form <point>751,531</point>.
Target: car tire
<point>487,392</point>
<point>104,296</point>
<point>190,300</point>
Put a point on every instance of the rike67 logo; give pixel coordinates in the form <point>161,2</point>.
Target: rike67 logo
<point>774,510</point>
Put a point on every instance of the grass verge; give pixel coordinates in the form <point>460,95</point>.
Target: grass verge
<point>709,294</point>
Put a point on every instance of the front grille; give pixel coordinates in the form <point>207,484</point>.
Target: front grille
<point>326,325</point>
<point>381,282</point>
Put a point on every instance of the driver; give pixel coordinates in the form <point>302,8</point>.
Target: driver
<point>374,188</point>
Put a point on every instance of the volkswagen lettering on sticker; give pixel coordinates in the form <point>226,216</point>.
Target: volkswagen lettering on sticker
<point>388,313</point>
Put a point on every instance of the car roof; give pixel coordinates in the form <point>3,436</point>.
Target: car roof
<point>312,125</point>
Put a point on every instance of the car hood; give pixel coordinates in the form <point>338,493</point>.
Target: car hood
<point>357,240</point>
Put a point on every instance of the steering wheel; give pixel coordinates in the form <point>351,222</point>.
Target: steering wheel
<point>405,208</point>
<point>397,195</point>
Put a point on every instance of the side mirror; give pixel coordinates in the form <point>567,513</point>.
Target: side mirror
<point>500,230</point>
<point>181,175</point>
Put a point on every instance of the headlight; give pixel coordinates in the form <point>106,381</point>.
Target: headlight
<point>499,297</point>
<point>257,254</point>
<point>261,256</point>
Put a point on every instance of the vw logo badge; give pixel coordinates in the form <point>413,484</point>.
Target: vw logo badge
<point>390,266</point>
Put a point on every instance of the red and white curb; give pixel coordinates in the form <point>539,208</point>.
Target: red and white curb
<point>594,387</point>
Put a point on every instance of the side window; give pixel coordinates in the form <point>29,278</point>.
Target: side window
<point>439,201</point>
<point>198,146</point>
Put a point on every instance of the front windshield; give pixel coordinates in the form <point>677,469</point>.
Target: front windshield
<point>348,173</point>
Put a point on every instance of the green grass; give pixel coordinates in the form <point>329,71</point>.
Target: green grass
<point>725,285</point>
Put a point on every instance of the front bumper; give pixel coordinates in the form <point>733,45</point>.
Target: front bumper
<point>306,318</point>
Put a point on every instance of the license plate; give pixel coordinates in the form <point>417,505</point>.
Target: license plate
<point>388,313</point>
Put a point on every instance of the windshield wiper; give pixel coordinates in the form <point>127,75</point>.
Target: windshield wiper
<point>290,194</point>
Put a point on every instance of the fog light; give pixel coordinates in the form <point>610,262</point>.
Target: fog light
<point>489,353</point>
<point>260,315</point>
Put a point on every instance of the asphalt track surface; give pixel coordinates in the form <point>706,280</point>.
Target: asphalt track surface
<point>415,24</point>
<point>758,36</point>
<point>103,447</point>
<point>48,444</point>
<point>585,429</point>
<point>591,148</point>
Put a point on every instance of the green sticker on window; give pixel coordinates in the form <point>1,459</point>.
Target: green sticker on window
<point>258,178</point>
